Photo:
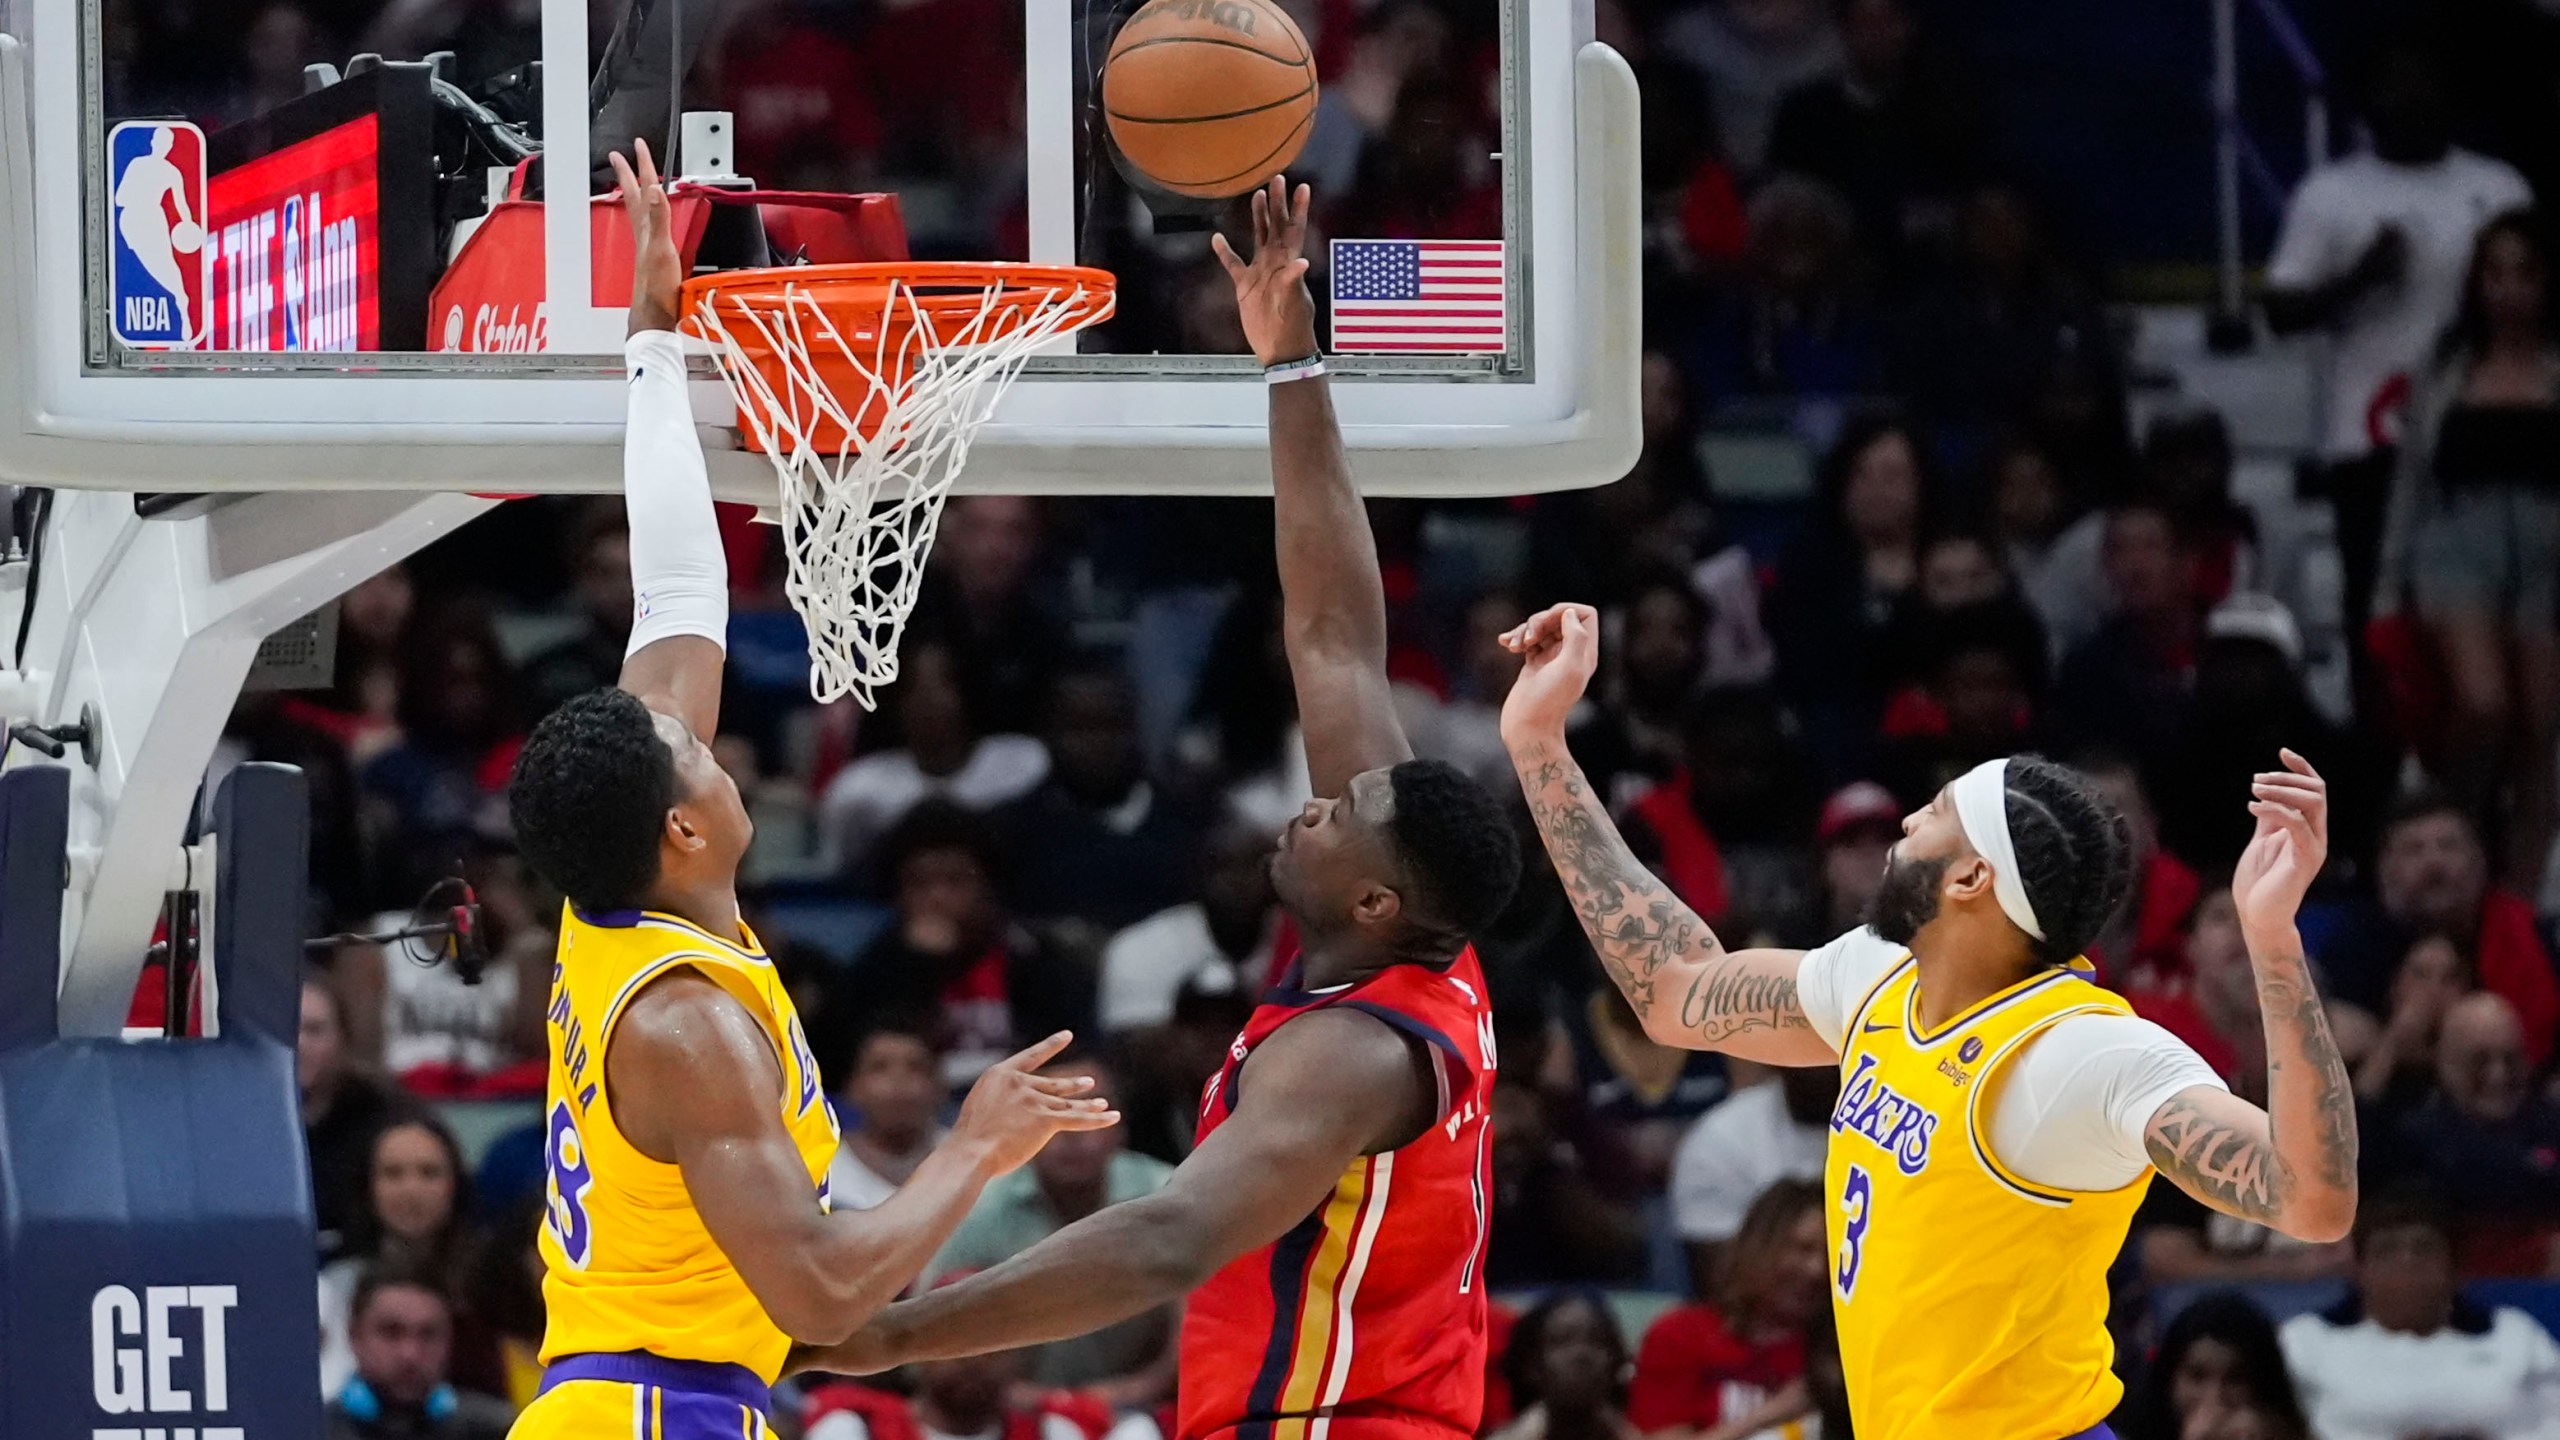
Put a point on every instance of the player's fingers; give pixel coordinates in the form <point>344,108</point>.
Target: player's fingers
<point>2294,762</point>
<point>1226,254</point>
<point>1032,1057</point>
<point>647,163</point>
<point>1102,1120</point>
<point>2283,815</point>
<point>1297,270</point>
<point>1062,1085</point>
<point>627,182</point>
<point>1261,219</point>
<point>1299,205</point>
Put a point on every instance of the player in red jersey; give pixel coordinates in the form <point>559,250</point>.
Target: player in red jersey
<point>1332,1219</point>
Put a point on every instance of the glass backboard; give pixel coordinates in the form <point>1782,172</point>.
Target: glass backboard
<point>363,242</point>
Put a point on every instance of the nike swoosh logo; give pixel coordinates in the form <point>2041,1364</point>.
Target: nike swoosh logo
<point>1870,1027</point>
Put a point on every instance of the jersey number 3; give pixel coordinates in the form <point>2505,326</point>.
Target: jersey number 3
<point>1857,1199</point>
<point>568,1179</point>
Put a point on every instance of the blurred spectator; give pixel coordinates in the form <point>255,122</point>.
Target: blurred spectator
<point>982,601</point>
<point>2219,1374</point>
<point>1857,828</point>
<point>891,1115</point>
<point>2479,521</point>
<point>2431,876</point>
<point>2210,1001</point>
<point>952,954</point>
<point>2050,541</point>
<point>416,1215</point>
<point>1221,942</point>
<point>1741,790</point>
<point>2250,703</point>
<point>506,1295</point>
<point>1645,1094</point>
<point>2490,1143</point>
<point>280,41</point>
<point>1097,840</point>
<point>362,705</point>
<point>1893,131</point>
<point>1761,1135</point>
<point>803,105</point>
<point>1979,347</point>
<point>442,785</point>
<point>2146,943</point>
<point>1243,728</point>
<point>2406,1355</point>
<point>1798,322</point>
<point>1567,1363</point>
<point>1981,668</point>
<point>1602,546</point>
<point>591,656</point>
<point>1733,1364</point>
<point>1838,585</point>
<point>978,1396</point>
<point>342,1107</point>
<point>397,1388</point>
<point>2187,465</point>
<point>1635,738</point>
<point>1751,53</point>
<point>942,753</point>
<point>432,1030</point>
<point>1551,1224</point>
<point>2373,251</point>
<point>2129,686</point>
<point>1127,1365</point>
<point>2395,1062</point>
<point>1167,1064</point>
<point>1465,727</point>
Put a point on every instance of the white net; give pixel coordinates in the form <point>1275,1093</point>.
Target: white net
<point>867,412</point>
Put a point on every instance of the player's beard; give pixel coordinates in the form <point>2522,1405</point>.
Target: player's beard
<point>1907,898</point>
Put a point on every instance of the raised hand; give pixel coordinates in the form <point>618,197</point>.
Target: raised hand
<point>1013,1110</point>
<point>1271,288</point>
<point>657,272</point>
<point>2286,853</point>
<point>1558,647</point>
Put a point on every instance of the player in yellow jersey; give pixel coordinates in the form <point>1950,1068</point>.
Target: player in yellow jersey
<point>689,1242</point>
<point>1999,1117</point>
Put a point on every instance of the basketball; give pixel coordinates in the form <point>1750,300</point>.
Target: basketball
<point>186,237</point>
<point>1210,98</point>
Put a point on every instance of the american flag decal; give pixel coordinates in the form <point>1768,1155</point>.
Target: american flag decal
<point>1417,297</point>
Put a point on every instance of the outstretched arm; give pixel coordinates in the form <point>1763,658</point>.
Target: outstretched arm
<point>2293,1164</point>
<point>1313,1099</point>
<point>695,1084</point>
<point>1685,986</point>
<point>1333,606</point>
<point>679,575</point>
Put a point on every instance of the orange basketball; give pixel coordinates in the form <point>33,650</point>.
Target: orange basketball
<point>1210,98</point>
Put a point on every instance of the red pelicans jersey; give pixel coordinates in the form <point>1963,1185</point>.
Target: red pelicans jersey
<point>1368,1318</point>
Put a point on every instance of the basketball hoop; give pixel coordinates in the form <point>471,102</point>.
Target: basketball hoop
<point>864,385</point>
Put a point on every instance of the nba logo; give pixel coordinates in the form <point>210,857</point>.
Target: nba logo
<point>160,286</point>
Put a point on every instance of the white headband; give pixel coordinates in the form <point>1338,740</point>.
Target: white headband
<point>1981,795</point>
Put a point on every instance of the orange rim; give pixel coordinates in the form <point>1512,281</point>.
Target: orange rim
<point>953,290</point>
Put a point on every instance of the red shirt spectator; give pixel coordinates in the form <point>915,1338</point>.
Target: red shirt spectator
<point>1737,1366</point>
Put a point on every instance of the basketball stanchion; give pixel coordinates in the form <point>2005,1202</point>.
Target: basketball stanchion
<point>864,385</point>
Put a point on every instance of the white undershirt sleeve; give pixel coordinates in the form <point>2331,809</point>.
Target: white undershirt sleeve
<point>1831,980</point>
<point>679,574</point>
<point>2075,1102</point>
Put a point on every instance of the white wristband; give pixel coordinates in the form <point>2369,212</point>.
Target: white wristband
<point>1288,370</point>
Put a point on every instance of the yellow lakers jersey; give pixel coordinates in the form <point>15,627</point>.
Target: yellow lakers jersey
<point>1971,1304</point>
<point>627,1263</point>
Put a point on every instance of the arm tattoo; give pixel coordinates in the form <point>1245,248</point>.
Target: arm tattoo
<point>1637,926</point>
<point>2241,1175</point>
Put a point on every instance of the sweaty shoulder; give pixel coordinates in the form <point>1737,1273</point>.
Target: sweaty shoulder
<point>1833,979</point>
<point>686,1053</point>
<point>1336,1061</point>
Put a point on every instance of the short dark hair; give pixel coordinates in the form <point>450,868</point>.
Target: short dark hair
<point>2406,1205</point>
<point>2424,802</point>
<point>939,824</point>
<point>2075,853</point>
<point>1457,844</point>
<point>394,1275</point>
<point>1521,1356</point>
<point>590,798</point>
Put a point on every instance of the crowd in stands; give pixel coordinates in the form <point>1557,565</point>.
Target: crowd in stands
<point>1055,818</point>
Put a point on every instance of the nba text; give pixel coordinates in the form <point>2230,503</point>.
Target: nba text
<point>1894,1121</point>
<point>161,1352</point>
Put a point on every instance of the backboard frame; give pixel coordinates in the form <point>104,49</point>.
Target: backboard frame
<point>1544,416</point>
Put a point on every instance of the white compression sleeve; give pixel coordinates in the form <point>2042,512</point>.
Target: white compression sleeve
<point>679,575</point>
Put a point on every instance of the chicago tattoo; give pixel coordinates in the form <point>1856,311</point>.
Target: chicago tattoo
<point>1637,926</point>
